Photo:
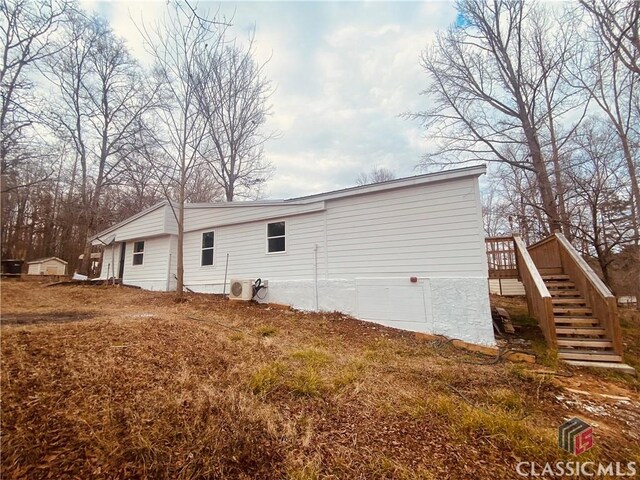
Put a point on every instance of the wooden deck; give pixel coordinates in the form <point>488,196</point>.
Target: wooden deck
<point>575,310</point>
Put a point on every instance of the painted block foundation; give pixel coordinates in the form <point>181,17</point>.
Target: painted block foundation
<point>454,307</point>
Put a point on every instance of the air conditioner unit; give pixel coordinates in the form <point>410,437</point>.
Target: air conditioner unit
<point>241,290</point>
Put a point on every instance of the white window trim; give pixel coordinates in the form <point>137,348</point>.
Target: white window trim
<point>213,249</point>
<point>134,253</point>
<point>267,237</point>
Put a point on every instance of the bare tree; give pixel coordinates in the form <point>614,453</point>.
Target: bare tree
<point>232,95</point>
<point>27,29</point>
<point>610,78</point>
<point>376,175</point>
<point>615,89</point>
<point>553,50</point>
<point>488,81</point>
<point>179,129</point>
<point>102,98</point>
<point>601,187</point>
<point>618,25</point>
<point>519,199</point>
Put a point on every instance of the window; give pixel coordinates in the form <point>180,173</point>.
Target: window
<point>275,237</point>
<point>207,249</point>
<point>138,253</point>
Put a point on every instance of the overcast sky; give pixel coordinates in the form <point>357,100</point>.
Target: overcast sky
<point>343,72</point>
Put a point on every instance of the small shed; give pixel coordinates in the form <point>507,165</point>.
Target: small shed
<point>47,266</point>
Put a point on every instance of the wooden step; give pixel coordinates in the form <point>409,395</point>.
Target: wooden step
<point>568,301</point>
<point>576,320</point>
<point>584,343</point>
<point>570,311</point>
<point>561,277</point>
<point>589,355</point>
<point>568,292</point>
<point>551,271</point>
<point>581,331</point>
<point>623,367</point>
<point>559,285</point>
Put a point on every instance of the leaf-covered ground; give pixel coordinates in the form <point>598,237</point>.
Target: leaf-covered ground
<point>104,382</point>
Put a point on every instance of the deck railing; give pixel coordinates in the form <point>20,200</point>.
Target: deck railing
<point>538,296</point>
<point>501,257</point>
<point>596,294</point>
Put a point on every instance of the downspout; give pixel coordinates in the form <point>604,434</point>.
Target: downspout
<point>315,274</point>
<point>168,287</point>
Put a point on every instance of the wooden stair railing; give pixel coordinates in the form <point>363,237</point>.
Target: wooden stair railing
<point>538,296</point>
<point>595,292</point>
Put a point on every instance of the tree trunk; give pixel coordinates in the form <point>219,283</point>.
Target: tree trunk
<point>542,176</point>
<point>180,259</point>
<point>635,188</point>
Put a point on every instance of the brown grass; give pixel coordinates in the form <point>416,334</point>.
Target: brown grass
<point>102,382</point>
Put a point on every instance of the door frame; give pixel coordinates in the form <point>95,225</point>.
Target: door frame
<point>123,251</point>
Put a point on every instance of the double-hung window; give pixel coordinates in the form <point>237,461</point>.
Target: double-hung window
<point>138,253</point>
<point>276,237</point>
<point>207,249</point>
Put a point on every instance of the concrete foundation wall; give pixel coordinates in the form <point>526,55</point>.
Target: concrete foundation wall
<point>455,307</point>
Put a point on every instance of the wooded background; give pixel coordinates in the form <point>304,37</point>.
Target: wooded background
<point>546,93</point>
<point>90,136</point>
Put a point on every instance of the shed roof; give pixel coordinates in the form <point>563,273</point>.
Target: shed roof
<point>44,259</point>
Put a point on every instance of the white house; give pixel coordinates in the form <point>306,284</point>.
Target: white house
<point>47,266</point>
<point>407,253</point>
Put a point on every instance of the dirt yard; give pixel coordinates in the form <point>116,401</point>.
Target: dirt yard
<point>105,382</point>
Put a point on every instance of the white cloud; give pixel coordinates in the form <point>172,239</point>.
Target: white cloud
<point>344,71</point>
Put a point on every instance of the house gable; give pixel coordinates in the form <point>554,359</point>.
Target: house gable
<point>148,223</point>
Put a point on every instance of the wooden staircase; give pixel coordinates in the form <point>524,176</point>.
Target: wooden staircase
<point>575,310</point>
<point>579,335</point>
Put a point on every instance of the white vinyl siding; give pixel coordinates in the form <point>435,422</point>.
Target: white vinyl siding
<point>151,224</point>
<point>427,231</point>
<point>245,245</point>
<point>200,218</point>
<point>152,274</point>
<point>424,231</point>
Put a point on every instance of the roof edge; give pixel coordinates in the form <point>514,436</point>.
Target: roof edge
<point>446,175</point>
<point>127,220</point>
<point>38,260</point>
<point>452,174</point>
